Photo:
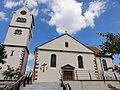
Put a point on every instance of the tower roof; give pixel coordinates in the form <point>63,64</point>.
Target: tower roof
<point>24,8</point>
<point>28,12</point>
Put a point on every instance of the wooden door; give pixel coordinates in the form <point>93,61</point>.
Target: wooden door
<point>68,75</point>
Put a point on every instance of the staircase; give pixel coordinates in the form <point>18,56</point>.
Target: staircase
<point>43,86</point>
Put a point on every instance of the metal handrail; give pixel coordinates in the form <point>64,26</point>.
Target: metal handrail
<point>67,86</point>
<point>22,81</point>
<point>62,82</point>
<point>17,84</point>
<point>89,75</point>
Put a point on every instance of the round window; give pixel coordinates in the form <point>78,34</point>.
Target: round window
<point>23,12</point>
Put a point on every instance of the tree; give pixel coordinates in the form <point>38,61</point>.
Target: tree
<point>7,73</point>
<point>17,73</point>
<point>2,54</point>
<point>12,73</point>
<point>112,44</point>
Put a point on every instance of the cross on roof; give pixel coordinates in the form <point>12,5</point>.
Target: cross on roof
<point>66,31</point>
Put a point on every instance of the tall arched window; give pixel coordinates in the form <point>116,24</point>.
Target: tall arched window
<point>80,62</point>
<point>53,60</point>
<point>104,64</point>
<point>66,44</point>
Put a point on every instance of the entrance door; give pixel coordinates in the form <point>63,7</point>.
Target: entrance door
<point>68,72</point>
<point>68,75</point>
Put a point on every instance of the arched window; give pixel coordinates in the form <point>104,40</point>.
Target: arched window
<point>21,20</point>
<point>18,32</point>
<point>80,62</point>
<point>53,60</point>
<point>66,44</point>
<point>104,64</point>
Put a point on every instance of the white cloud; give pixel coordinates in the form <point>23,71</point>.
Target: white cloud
<point>10,4</point>
<point>31,3</point>
<point>30,57</point>
<point>67,15</point>
<point>42,1</point>
<point>29,69</point>
<point>35,12</point>
<point>45,10</point>
<point>3,16</point>
<point>44,20</point>
<point>95,9</point>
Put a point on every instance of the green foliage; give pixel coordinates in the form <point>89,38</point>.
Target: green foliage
<point>12,73</point>
<point>112,44</point>
<point>2,54</point>
<point>3,89</point>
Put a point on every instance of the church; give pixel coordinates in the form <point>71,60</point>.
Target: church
<point>66,58</point>
<point>63,59</point>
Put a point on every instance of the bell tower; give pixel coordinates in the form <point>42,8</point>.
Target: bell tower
<point>18,39</point>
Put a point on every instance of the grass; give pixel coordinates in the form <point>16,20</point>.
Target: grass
<point>2,89</point>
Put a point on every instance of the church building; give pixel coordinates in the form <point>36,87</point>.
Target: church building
<point>66,58</point>
<point>58,62</point>
<point>18,39</point>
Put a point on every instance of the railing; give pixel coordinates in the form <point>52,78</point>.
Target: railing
<point>17,84</point>
<point>68,75</point>
<point>88,75</point>
<point>109,75</point>
<point>65,86</point>
<point>21,82</point>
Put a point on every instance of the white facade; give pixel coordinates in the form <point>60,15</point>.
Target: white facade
<point>66,57</point>
<point>18,39</point>
<point>108,60</point>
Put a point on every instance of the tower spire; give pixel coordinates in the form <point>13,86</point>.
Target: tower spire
<point>26,3</point>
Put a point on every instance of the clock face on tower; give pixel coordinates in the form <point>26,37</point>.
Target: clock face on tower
<point>23,12</point>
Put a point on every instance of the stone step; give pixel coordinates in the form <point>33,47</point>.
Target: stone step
<point>43,86</point>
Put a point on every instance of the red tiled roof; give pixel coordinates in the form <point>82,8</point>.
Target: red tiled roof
<point>95,50</point>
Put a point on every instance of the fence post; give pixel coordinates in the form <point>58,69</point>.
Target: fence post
<point>64,87</point>
<point>103,76</point>
<point>115,75</point>
<point>24,82</point>
<point>76,75</point>
<point>90,75</point>
<point>61,82</point>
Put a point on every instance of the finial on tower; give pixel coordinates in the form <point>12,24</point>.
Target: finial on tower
<point>26,3</point>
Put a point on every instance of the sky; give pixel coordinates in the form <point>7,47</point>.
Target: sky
<point>80,18</point>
